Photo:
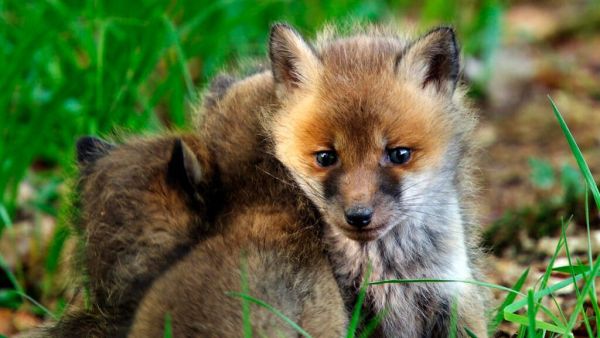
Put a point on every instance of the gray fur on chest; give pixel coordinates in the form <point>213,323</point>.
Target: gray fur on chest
<point>408,251</point>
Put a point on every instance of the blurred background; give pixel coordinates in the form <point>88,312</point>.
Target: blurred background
<point>71,68</point>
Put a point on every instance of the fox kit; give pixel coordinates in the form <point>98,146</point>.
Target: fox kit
<point>144,205</point>
<point>376,132</point>
<point>140,211</point>
<point>270,238</point>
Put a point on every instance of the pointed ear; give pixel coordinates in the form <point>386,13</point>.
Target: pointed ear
<point>184,169</point>
<point>90,149</point>
<point>432,60</point>
<point>293,61</point>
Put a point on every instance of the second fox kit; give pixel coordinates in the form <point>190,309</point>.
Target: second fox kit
<point>374,130</point>
<point>143,206</point>
<point>270,239</point>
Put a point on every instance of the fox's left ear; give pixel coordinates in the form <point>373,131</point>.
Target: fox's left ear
<point>432,60</point>
<point>184,170</point>
<point>294,62</point>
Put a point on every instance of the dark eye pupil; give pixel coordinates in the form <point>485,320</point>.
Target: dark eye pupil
<point>326,158</point>
<point>399,155</point>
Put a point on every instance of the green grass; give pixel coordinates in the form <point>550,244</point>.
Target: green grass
<point>71,68</point>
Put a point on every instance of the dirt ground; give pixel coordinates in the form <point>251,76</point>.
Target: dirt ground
<point>544,54</point>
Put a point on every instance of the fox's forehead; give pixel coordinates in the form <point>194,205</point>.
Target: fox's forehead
<point>356,54</point>
<point>365,119</point>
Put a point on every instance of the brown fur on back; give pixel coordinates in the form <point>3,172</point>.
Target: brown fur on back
<point>134,223</point>
<point>283,263</point>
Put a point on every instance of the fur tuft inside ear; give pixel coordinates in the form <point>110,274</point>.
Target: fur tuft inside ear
<point>294,63</point>
<point>184,169</point>
<point>90,149</point>
<point>432,60</point>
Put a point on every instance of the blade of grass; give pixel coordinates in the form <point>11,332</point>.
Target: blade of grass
<point>547,273</point>
<point>247,324</point>
<point>510,311</point>
<point>544,284</point>
<point>168,326</point>
<point>102,26</point>
<point>593,187</point>
<point>181,58</point>
<point>11,277</point>
<point>584,291</point>
<point>522,331</point>
<point>454,319</point>
<point>355,319</point>
<point>272,310</point>
<point>510,298</point>
<point>577,293</point>
<point>511,316</point>
<point>4,217</point>
<point>577,269</point>
<point>531,314</point>
<point>593,298</point>
<point>583,167</point>
<point>590,259</point>
<point>372,324</point>
<point>432,280</point>
<point>19,289</point>
<point>470,333</point>
<point>38,305</point>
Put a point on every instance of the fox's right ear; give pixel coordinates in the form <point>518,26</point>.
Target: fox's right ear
<point>90,149</point>
<point>432,61</point>
<point>184,170</point>
<point>294,63</point>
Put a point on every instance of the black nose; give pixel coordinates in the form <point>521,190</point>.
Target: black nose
<point>359,217</point>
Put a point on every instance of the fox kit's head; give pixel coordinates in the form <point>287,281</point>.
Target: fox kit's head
<point>141,203</point>
<point>369,125</point>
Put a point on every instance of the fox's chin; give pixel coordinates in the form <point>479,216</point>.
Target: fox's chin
<point>365,234</point>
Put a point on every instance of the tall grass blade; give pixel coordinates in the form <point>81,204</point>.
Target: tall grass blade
<point>4,217</point>
<point>510,298</point>
<point>593,293</point>
<point>433,280</point>
<point>531,314</point>
<point>272,310</point>
<point>246,322</point>
<point>360,299</point>
<point>583,167</point>
<point>454,319</point>
<point>168,326</point>
<point>511,316</point>
<point>584,291</point>
<point>572,272</point>
<point>544,284</point>
<point>470,333</point>
<point>38,305</point>
<point>593,187</point>
<point>372,324</point>
<point>10,276</point>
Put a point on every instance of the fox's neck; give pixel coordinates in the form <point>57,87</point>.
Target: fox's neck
<point>419,249</point>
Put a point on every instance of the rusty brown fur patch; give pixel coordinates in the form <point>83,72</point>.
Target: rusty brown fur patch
<point>134,224</point>
<point>360,122</point>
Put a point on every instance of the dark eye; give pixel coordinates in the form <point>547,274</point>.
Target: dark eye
<point>399,155</point>
<point>326,158</point>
